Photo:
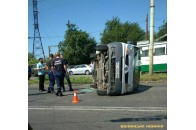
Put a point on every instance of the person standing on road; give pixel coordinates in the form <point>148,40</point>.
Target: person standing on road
<point>59,67</point>
<point>67,78</point>
<point>29,72</point>
<point>41,74</point>
<point>92,70</point>
<point>92,67</point>
<point>50,75</point>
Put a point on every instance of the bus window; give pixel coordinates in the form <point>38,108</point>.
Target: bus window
<point>144,53</point>
<point>159,51</point>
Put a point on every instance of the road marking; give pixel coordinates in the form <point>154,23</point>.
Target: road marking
<point>99,108</point>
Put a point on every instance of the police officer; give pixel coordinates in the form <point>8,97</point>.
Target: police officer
<point>67,78</point>
<point>59,67</point>
<point>50,75</point>
<point>68,81</point>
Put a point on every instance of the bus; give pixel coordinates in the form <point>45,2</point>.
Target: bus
<point>159,56</point>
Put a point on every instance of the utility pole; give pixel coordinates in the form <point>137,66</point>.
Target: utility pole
<point>49,48</point>
<point>147,27</point>
<point>151,37</point>
<point>38,50</point>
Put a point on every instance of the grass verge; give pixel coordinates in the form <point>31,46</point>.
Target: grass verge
<point>154,77</point>
<point>76,79</point>
<point>83,79</point>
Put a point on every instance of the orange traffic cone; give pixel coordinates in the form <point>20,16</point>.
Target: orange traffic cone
<point>75,98</point>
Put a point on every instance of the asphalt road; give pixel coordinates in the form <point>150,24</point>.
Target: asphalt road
<point>144,109</point>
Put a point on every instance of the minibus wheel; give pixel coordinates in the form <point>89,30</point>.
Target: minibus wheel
<point>101,47</point>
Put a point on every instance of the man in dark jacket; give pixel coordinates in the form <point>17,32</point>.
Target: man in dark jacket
<point>67,78</point>
<point>59,67</point>
<point>50,75</point>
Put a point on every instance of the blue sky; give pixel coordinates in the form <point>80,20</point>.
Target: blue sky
<point>89,16</point>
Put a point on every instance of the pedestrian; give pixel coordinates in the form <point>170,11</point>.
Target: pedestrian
<point>92,67</point>
<point>67,78</point>
<point>50,75</point>
<point>29,72</point>
<point>41,73</point>
<point>92,70</point>
<point>59,67</point>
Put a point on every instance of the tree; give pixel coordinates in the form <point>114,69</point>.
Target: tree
<point>162,31</point>
<point>77,46</point>
<point>30,56</point>
<point>112,31</point>
<point>115,31</point>
<point>31,59</point>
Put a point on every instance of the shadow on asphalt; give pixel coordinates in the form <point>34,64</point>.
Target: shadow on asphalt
<point>142,88</point>
<point>78,93</point>
<point>64,94</point>
<point>150,118</point>
<point>33,94</point>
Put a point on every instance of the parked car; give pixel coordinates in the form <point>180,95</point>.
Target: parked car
<point>71,66</point>
<point>80,69</point>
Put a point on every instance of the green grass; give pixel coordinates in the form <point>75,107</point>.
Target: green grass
<point>33,81</point>
<point>76,79</point>
<point>154,77</point>
<point>83,79</point>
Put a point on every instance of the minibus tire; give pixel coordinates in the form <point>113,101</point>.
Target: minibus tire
<point>101,47</point>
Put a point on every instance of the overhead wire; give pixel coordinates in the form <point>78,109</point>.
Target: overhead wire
<point>63,36</point>
<point>61,4</point>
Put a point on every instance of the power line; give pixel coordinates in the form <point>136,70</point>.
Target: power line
<point>63,36</point>
<point>62,4</point>
<point>52,36</point>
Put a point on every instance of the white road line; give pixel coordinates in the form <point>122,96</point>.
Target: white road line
<point>99,108</point>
